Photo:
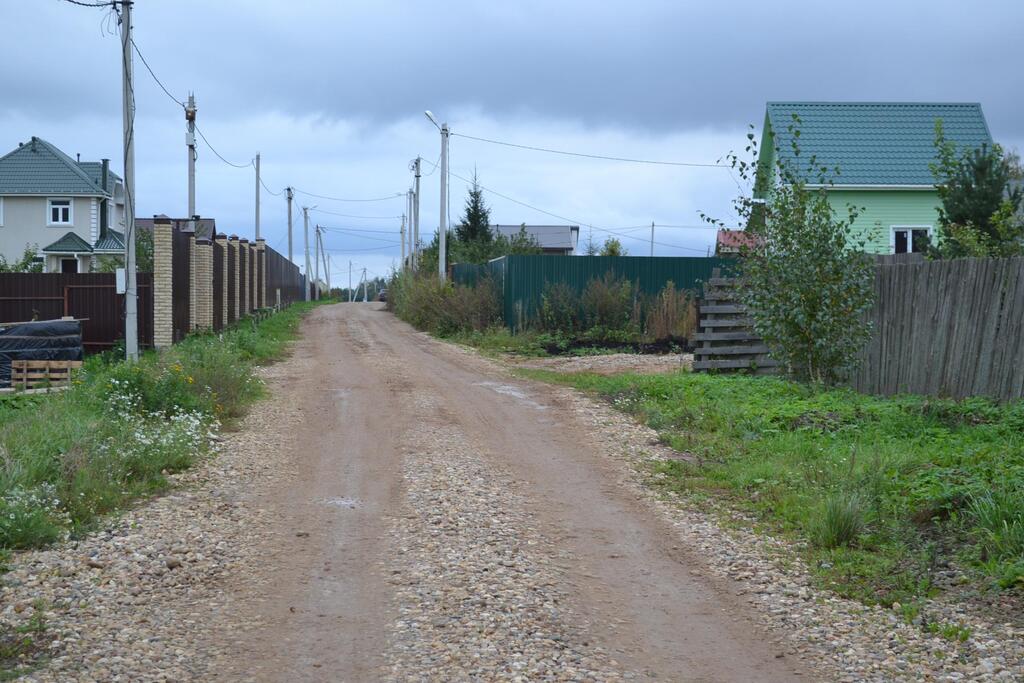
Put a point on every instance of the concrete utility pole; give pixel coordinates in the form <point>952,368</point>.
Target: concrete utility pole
<point>305,232</point>
<point>190,142</point>
<point>350,295</point>
<point>652,238</point>
<point>403,242</point>
<point>442,253</point>
<point>257,195</point>
<point>327,268</point>
<point>316,258</point>
<point>131,303</point>
<point>416,215</point>
<point>364,285</point>
<point>290,194</point>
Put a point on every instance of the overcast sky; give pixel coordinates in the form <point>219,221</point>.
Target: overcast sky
<point>331,92</point>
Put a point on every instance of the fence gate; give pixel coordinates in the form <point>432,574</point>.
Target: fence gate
<point>727,338</point>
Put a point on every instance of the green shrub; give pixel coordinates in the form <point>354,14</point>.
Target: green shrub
<point>838,522</point>
<point>610,307</point>
<point>671,315</point>
<point>560,309</point>
<point>444,309</point>
<point>999,522</point>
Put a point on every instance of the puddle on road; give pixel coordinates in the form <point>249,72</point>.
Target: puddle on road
<point>514,392</point>
<point>347,503</point>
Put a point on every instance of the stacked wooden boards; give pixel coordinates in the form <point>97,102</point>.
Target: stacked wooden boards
<point>727,340</point>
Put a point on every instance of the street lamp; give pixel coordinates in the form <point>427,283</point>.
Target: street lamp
<point>442,268</point>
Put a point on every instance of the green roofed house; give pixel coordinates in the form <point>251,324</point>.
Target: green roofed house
<point>63,209</point>
<point>883,152</point>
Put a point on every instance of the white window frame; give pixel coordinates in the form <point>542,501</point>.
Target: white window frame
<point>49,211</point>
<point>894,228</point>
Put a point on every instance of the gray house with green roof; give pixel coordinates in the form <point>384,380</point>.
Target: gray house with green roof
<point>883,152</point>
<point>69,212</point>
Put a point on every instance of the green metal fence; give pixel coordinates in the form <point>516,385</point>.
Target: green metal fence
<point>522,279</point>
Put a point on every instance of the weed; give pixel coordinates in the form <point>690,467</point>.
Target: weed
<point>839,522</point>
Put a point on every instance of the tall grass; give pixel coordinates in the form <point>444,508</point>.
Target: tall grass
<point>67,457</point>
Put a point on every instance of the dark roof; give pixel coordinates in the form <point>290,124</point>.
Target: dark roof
<point>114,241</point>
<point>873,143</point>
<point>95,171</point>
<point>547,236</point>
<point>69,243</point>
<point>734,240</point>
<point>206,228</point>
<point>38,167</point>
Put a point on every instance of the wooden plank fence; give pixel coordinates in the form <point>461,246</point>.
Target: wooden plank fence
<point>727,338</point>
<point>947,328</point>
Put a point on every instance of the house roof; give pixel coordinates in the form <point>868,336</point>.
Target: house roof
<point>873,143</point>
<point>95,170</point>
<point>113,241</point>
<point>205,228</point>
<point>69,243</point>
<point>734,239</point>
<point>547,236</point>
<point>38,167</point>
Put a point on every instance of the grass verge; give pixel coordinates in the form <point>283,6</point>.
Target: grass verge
<point>68,457</point>
<point>890,496</point>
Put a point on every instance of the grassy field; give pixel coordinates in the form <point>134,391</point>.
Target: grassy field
<point>883,491</point>
<point>68,457</point>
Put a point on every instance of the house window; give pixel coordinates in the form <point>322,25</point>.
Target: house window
<point>59,211</point>
<point>911,239</point>
<point>69,265</point>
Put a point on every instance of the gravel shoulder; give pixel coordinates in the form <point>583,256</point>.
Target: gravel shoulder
<point>607,364</point>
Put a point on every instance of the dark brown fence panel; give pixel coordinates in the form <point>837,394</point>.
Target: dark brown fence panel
<point>947,328</point>
<point>283,275</point>
<point>90,297</point>
<point>218,286</point>
<point>181,276</point>
<point>232,312</point>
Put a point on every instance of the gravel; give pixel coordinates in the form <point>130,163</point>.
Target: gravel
<point>845,639</point>
<point>608,364</point>
<point>477,585</point>
<point>143,598</point>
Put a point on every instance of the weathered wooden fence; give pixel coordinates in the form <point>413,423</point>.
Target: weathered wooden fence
<point>727,338</point>
<point>947,328</point>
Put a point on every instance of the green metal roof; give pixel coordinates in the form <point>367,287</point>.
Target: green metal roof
<point>69,243</point>
<point>873,143</point>
<point>114,241</point>
<point>95,171</point>
<point>37,167</point>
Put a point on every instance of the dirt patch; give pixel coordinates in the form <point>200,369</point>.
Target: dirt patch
<point>610,364</point>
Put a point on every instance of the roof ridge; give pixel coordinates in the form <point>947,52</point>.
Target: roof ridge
<point>71,165</point>
<point>894,103</point>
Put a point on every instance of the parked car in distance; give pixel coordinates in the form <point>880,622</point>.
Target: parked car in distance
<point>382,295</point>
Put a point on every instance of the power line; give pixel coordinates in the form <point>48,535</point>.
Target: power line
<point>340,199</point>
<point>276,194</point>
<point>363,237</point>
<point>219,154</point>
<point>327,227</point>
<point>352,251</point>
<point>150,70</point>
<point>589,156</point>
<point>109,3</point>
<point>348,215</point>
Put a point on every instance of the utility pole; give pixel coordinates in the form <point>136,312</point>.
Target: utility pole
<point>257,195</point>
<point>190,142</point>
<point>316,258</point>
<point>131,303</point>
<point>327,267</point>
<point>416,215</point>
<point>305,232</point>
<point>403,240</point>
<point>652,238</point>
<point>442,265</point>
<point>290,195</point>
<point>350,295</point>
<point>364,285</point>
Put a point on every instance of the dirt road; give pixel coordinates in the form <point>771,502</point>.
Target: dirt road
<point>447,522</point>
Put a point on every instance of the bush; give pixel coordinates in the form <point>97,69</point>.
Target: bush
<point>999,523</point>
<point>444,309</point>
<point>838,522</point>
<point>559,309</point>
<point>609,303</point>
<point>671,315</point>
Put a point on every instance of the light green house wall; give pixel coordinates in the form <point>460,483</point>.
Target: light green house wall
<point>880,210</point>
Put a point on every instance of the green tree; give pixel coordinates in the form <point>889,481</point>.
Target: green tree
<point>980,211</point>
<point>475,225</point>
<point>613,247</point>
<point>591,248</point>
<point>26,264</point>
<point>806,284</point>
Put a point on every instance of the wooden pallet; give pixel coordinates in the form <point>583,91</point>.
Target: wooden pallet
<point>727,337</point>
<point>42,374</point>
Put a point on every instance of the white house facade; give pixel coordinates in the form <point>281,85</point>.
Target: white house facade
<point>68,213</point>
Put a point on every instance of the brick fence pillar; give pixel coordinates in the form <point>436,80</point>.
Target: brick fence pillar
<point>204,284</point>
<point>261,254</point>
<point>236,252</point>
<point>245,277</point>
<point>163,286</point>
<point>222,241</point>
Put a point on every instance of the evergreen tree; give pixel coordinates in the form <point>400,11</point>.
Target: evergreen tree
<point>613,247</point>
<point>475,223</point>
